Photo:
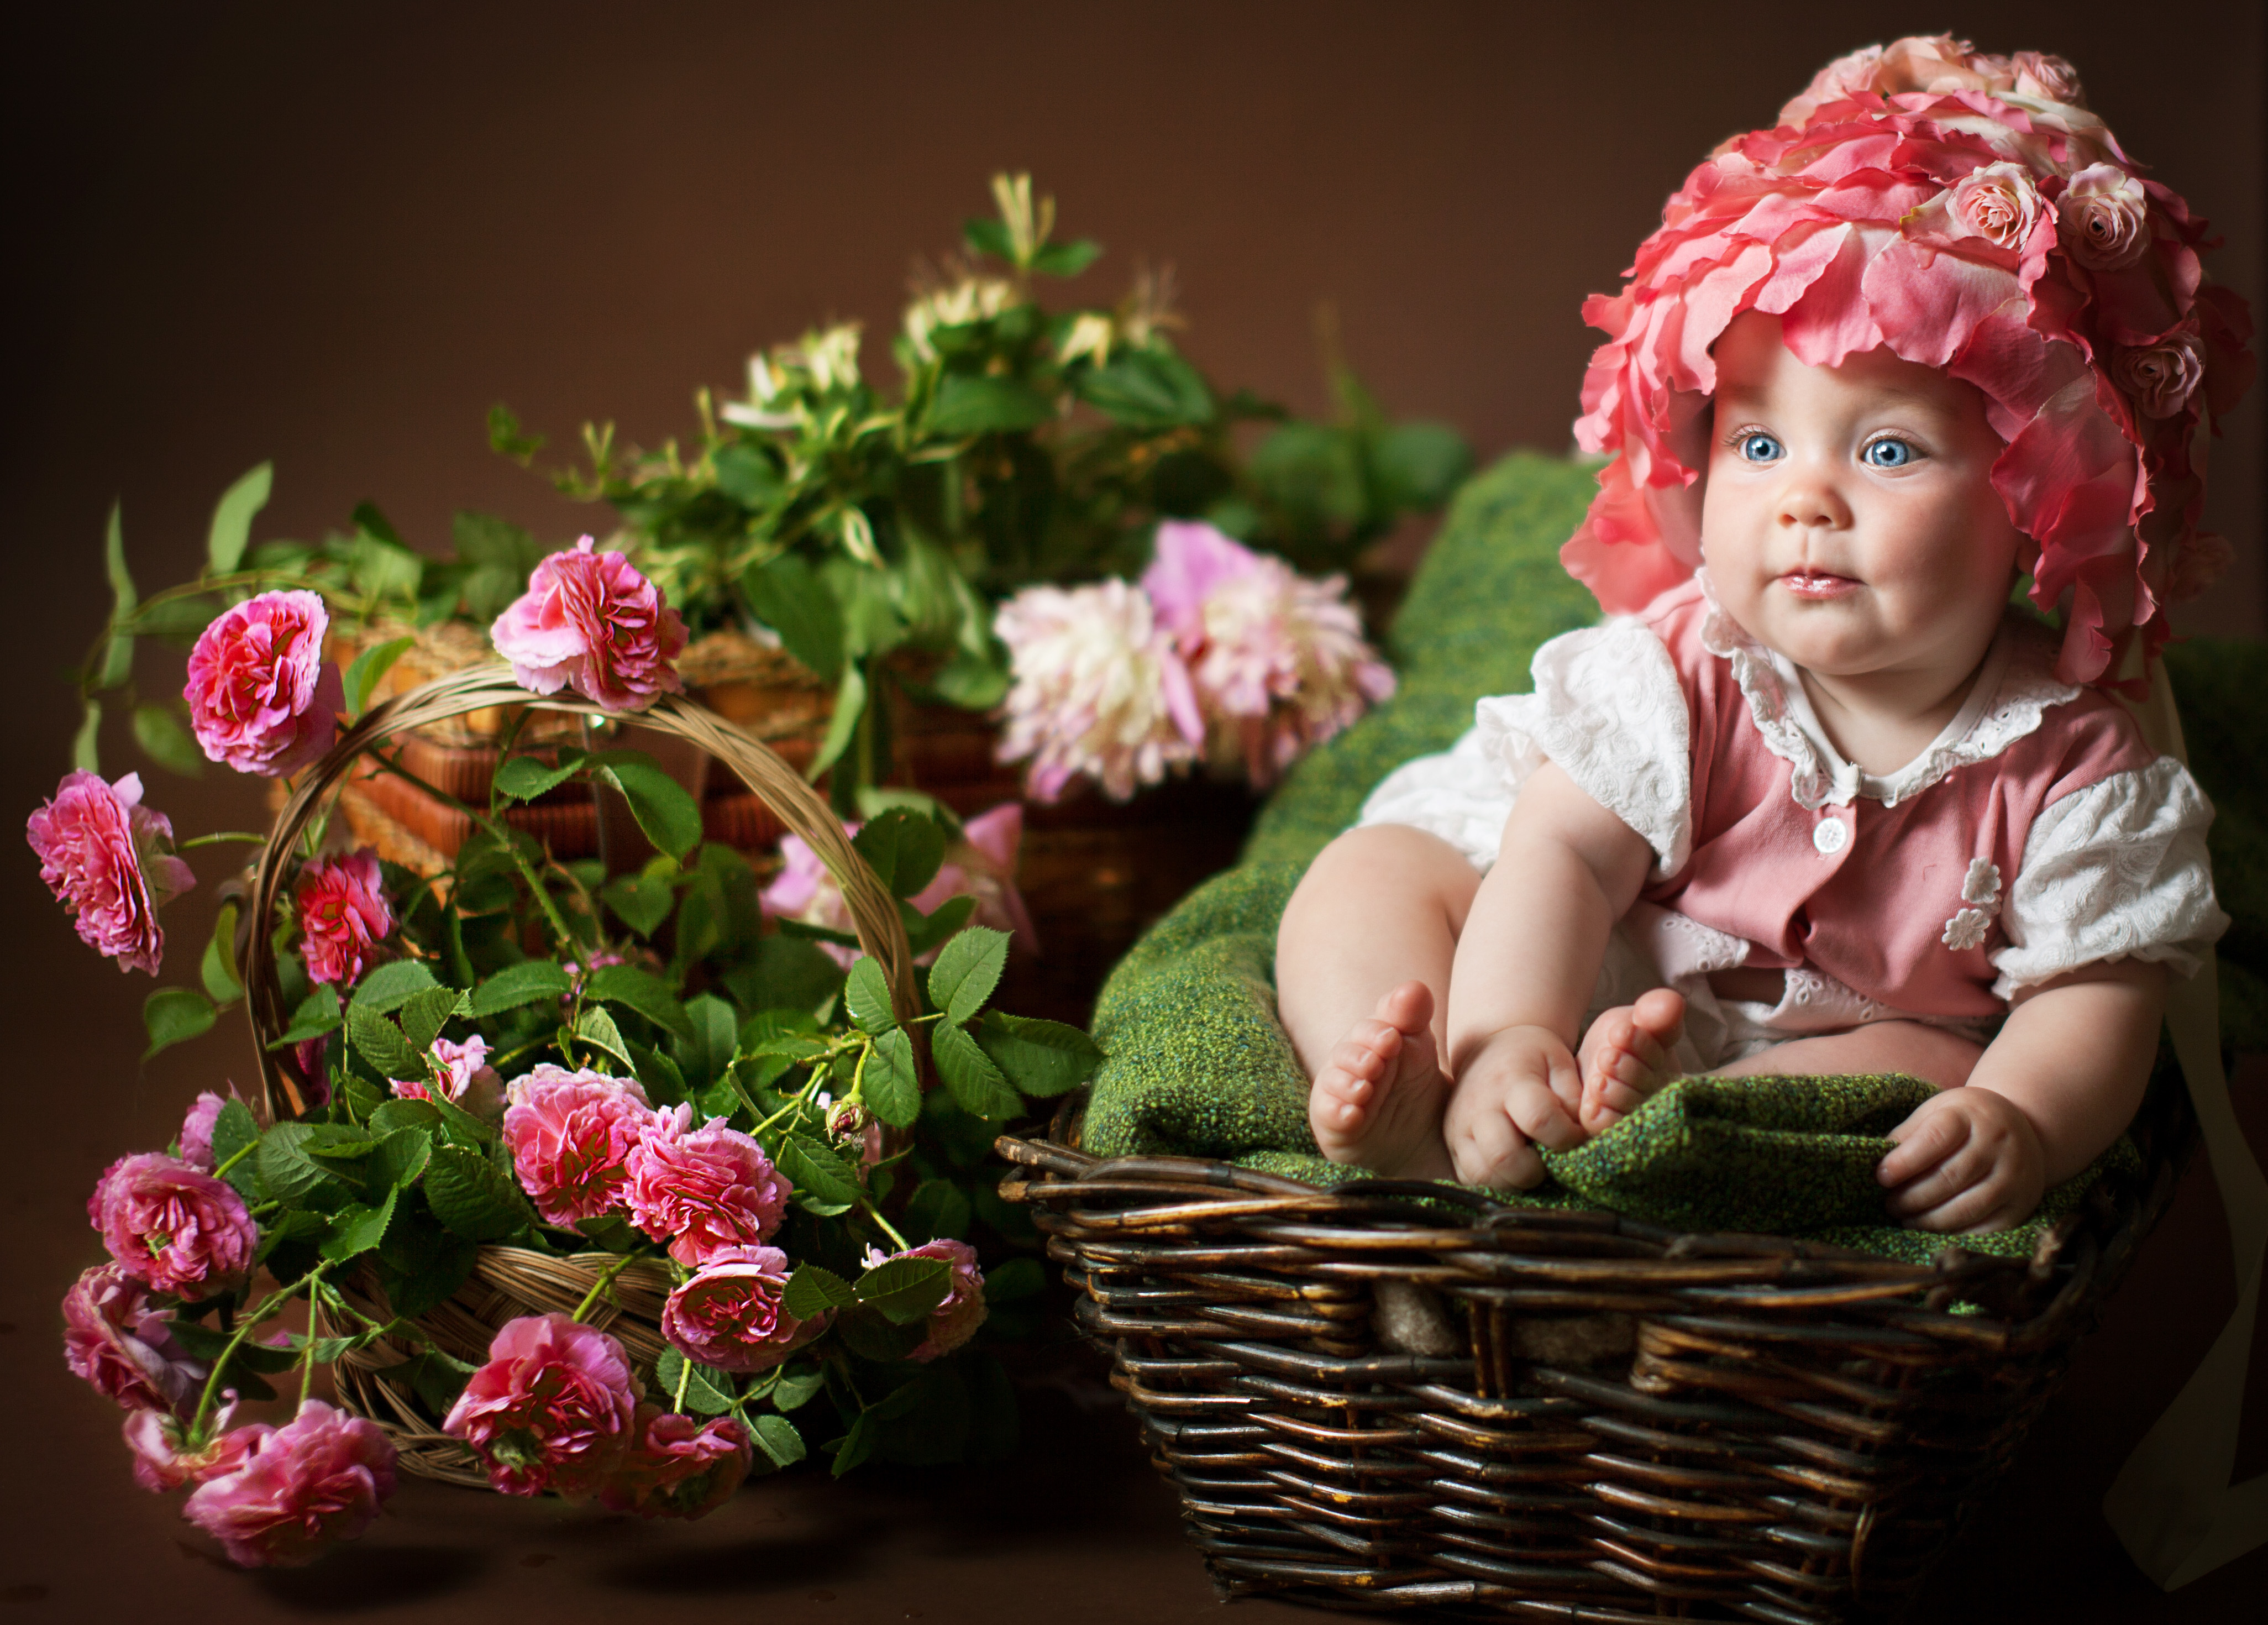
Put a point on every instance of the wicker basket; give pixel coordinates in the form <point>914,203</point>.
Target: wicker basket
<point>510,1282</point>
<point>1392,1395</point>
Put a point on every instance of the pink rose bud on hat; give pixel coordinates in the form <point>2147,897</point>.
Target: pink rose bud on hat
<point>2161,376</point>
<point>181,1231</point>
<point>554,1407</point>
<point>589,620</point>
<point>2102,219</point>
<point>343,916</point>
<point>571,1135</point>
<point>122,1345</point>
<point>319,1478</point>
<point>261,697</point>
<point>110,861</point>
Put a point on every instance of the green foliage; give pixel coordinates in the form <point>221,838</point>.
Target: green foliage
<point>173,1015</point>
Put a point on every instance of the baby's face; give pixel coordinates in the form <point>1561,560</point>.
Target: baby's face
<point>1849,520</point>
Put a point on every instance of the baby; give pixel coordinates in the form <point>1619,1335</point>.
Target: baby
<point>1818,800</point>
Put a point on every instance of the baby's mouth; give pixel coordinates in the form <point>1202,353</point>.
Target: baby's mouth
<point>1818,585</point>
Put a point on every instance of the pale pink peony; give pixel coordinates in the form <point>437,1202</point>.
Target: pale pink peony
<point>2103,218</point>
<point>181,1231</point>
<point>705,1190</point>
<point>1098,690</point>
<point>122,1345</point>
<point>571,1135</point>
<point>2048,77</point>
<point>466,1079</point>
<point>318,1478</point>
<point>982,864</point>
<point>197,1129</point>
<point>680,1467</point>
<point>728,1313</point>
<point>261,697</point>
<point>954,1321</point>
<point>343,916</point>
<point>160,1461</point>
<point>2162,377</point>
<point>1998,203</point>
<point>591,622</point>
<point>1278,661</point>
<point>110,861</point>
<point>553,1408</point>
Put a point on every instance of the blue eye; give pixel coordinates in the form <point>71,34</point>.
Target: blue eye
<point>1761,448</point>
<point>1890,453</point>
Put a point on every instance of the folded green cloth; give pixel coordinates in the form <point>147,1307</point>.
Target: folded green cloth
<point>1198,1065</point>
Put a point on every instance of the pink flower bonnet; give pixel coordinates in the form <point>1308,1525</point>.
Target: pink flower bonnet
<point>1969,213</point>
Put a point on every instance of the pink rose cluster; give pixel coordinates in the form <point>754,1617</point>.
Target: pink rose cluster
<point>109,860</point>
<point>1969,213</point>
<point>982,864</point>
<point>261,697</point>
<point>1220,653</point>
<point>589,620</point>
<point>343,916</point>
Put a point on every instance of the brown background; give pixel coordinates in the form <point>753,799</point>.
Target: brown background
<point>332,236</point>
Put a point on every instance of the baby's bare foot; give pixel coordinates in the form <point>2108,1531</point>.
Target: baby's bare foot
<point>1379,1098</point>
<point>1625,1057</point>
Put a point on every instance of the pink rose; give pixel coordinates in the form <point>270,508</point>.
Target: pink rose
<point>109,860</point>
<point>2103,217</point>
<point>181,1230</point>
<point>320,1477</point>
<point>466,1079</point>
<point>679,1467</point>
<point>553,1408</point>
<point>705,1189</point>
<point>343,916</point>
<point>2050,79</point>
<point>728,1314</point>
<point>954,1321</point>
<point>1998,203</point>
<point>571,1135</point>
<point>2161,376</point>
<point>117,1341</point>
<point>198,1130</point>
<point>261,697</point>
<point>590,621</point>
<point>160,1461</point>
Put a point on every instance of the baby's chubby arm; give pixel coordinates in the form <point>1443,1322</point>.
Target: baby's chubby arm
<point>1526,966</point>
<point>2060,1084</point>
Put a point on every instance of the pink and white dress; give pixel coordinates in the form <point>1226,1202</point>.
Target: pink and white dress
<point>2036,834</point>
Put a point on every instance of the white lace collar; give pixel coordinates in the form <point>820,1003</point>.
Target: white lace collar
<point>2016,687</point>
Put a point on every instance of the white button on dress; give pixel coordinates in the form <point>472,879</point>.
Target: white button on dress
<point>1830,836</point>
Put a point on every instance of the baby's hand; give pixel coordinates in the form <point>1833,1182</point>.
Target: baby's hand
<point>1520,1090</point>
<point>1967,1160</point>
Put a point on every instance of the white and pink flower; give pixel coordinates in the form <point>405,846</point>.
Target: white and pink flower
<point>1098,690</point>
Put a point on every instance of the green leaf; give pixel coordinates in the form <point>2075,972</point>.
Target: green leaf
<point>461,1127</point>
<point>939,1207</point>
<point>166,741</point>
<point>597,1028</point>
<point>118,659</point>
<point>637,989</point>
<point>293,1176</point>
<point>368,668</point>
<point>798,1384</point>
<point>709,1050</point>
<point>317,1014</point>
<point>1014,1278</point>
<point>664,809</point>
<point>989,236</point>
<point>392,985</point>
<point>795,601</point>
<point>925,932</point>
<point>639,902</point>
<point>1418,465</point>
<point>529,982</point>
<point>903,848</point>
<point>866,993</point>
<point>173,1015</point>
<point>967,970</point>
<point>380,1045</point>
<point>436,1378</point>
<point>822,1184</point>
<point>219,968</point>
<point>393,1115</point>
<point>905,1290</point>
<point>969,403</point>
<point>425,1014</point>
<point>378,565</point>
<point>524,778</point>
<point>234,1129</point>
<point>472,1196</point>
<point>401,1156</point>
<point>747,476</point>
<point>708,1391</point>
<point>812,1291</point>
<point>777,1437</point>
<point>871,1336</point>
<point>892,1088</point>
<point>1040,1058</point>
<point>1148,389</point>
<point>357,1227</point>
<point>665,1084</point>
<point>232,520</point>
<point>86,743</point>
<point>1066,259</point>
<point>842,727</point>
<point>976,1082</point>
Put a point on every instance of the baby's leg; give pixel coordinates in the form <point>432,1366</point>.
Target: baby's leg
<point>1914,1048</point>
<point>1625,1057</point>
<point>1362,977</point>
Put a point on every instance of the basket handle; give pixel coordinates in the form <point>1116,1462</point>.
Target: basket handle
<point>873,910</point>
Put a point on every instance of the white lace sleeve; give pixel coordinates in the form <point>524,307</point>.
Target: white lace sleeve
<point>1606,707</point>
<point>2115,870</point>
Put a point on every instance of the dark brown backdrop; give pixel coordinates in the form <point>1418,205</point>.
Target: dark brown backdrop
<point>332,236</point>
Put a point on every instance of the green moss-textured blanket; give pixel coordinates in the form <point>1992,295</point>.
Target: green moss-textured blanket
<point>1198,1065</point>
